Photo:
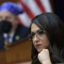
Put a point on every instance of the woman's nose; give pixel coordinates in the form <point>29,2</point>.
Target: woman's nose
<point>35,39</point>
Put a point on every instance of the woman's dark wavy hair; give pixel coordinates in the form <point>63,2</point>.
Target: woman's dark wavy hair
<point>54,28</point>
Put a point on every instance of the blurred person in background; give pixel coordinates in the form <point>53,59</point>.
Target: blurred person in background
<point>11,30</point>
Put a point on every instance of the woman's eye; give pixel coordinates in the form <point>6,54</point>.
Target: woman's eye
<point>33,34</point>
<point>40,32</point>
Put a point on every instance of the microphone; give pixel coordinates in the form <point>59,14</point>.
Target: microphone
<point>5,26</point>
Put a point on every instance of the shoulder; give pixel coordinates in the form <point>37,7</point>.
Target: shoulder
<point>22,31</point>
<point>22,28</point>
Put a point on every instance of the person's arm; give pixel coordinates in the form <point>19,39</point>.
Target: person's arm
<point>44,57</point>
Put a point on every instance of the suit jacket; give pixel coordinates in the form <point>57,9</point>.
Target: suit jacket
<point>20,33</point>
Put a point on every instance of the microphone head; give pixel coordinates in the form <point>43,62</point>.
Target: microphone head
<point>5,26</point>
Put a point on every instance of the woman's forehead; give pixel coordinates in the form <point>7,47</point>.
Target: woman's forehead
<point>34,28</point>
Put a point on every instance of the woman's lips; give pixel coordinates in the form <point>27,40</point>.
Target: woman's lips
<point>38,45</point>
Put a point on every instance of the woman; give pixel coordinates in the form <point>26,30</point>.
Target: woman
<point>47,35</point>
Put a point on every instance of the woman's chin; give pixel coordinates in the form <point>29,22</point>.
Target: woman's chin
<point>39,50</point>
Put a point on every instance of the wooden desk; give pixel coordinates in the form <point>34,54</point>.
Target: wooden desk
<point>19,52</point>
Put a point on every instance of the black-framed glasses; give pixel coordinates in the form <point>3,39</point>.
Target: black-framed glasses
<point>39,33</point>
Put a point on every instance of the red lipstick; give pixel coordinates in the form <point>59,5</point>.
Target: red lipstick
<point>38,45</point>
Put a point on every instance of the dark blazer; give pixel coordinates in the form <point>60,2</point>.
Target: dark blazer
<point>20,33</point>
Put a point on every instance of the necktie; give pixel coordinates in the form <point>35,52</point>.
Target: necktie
<point>7,40</point>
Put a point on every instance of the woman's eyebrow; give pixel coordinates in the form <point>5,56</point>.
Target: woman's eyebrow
<point>32,32</point>
<point>39,30</point>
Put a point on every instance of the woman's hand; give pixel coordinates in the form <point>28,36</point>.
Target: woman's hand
<point>44,57</point>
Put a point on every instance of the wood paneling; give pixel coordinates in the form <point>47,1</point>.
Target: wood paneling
<point>20,52</point>
<point>52,5</point>
<point>1,1</point>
